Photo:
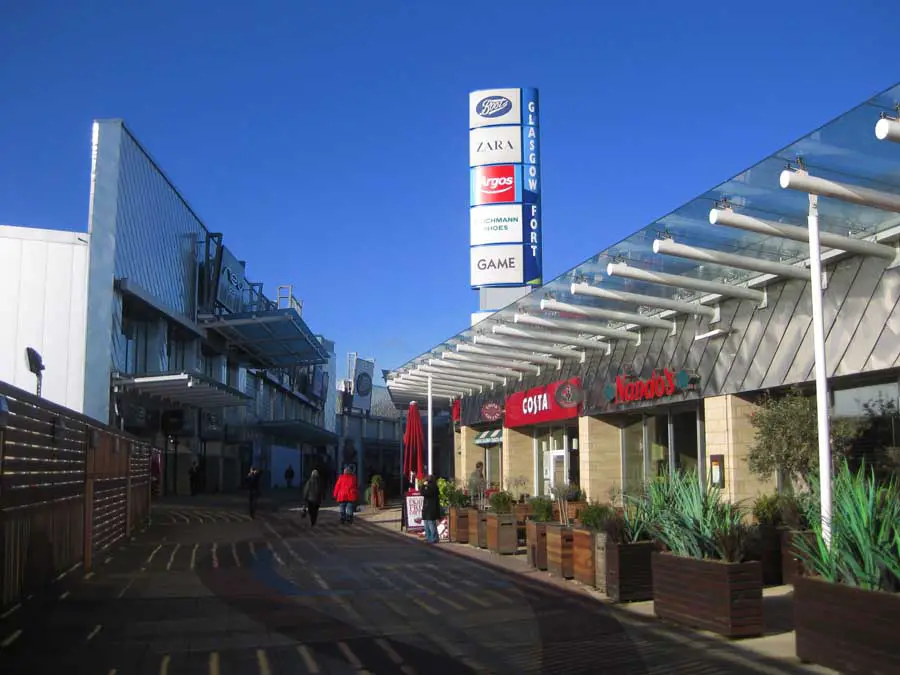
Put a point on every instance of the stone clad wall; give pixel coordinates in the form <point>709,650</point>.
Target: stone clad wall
<point>599,457</point>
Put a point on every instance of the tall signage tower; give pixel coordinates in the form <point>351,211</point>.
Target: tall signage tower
<point>504,196</point>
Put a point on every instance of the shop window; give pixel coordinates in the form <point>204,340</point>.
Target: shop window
<point>492,471</point>
<point>634,456</point>
<point>685,428</point>
<point>658,435</point>
<point>876,408</point>
<point>875,398</point>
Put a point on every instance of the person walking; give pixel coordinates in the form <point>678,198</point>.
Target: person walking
<point>253,479</point>
<point>477,485</point>
<point>312,495</point>
<point>289,476</point>
<point>346,493</point>
<point>431,508</point>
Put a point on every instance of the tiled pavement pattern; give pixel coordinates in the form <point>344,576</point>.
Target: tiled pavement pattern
<point>207,590</point>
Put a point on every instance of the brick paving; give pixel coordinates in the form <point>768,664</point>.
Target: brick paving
<point>206,589</point>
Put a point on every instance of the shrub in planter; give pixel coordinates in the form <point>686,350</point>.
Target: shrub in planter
<point>456,502</point>
<point>765,544</point>
<point>559,551</point>
<point>627,562</point>
<point>703,579</point>
<point>376,493</point>
<point>536,531</point>
<point>846,616</point>
<point>501,524</point>
<point>798,512</point>
<point>584,545</point>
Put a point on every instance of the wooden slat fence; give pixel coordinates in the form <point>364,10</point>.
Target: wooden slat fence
<point>69,488</point>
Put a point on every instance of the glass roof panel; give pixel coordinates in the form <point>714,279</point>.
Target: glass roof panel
<point>844,150</point>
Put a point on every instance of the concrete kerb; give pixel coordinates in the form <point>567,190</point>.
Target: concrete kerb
<point>590,598</point>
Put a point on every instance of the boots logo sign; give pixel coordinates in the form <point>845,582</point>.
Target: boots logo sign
<point>660,384</point>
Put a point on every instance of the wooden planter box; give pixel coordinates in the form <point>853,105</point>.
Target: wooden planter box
<point>584,556</point>
<point>791,563</point>
<point>770,557</point>
<point>847,629</point>
<point>536,544</point>
<point>478,528</point>
<point>600,544</point>
<point>501,533</point>
<point>725,598</point>
<point>629,571</point>
<point>459,524</point>
<point>559,551</point>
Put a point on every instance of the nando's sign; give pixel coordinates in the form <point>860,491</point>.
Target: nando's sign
<point>661,384</point>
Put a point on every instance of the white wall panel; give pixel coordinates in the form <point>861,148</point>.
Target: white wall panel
<point>43,305</point>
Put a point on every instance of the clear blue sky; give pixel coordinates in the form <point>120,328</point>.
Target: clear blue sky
<point>328,140</point>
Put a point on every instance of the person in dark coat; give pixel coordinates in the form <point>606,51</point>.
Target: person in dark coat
<point>431,508</point>
<point>312,495</point>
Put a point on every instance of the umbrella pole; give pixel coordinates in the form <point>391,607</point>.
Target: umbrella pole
<point>430,431</point>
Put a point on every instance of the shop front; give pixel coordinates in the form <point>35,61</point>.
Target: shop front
<point>480,439</point>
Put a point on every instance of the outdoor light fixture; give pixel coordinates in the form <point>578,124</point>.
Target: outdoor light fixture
<point>59,428</point>
<point>4,412</point>
<point>714,333</point>
<point>94,439</point>
<point>35,365</point>
<point>887,129</point>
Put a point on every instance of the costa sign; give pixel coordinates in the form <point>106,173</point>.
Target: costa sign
<point>556,401</point>
<point>660,384</point>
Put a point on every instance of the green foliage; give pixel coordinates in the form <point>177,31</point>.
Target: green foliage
<point>502,502</point>
<point>451,495</point>
<point>368,495</point>
<point>801,509</point>
<point>594,515</point>
<point>787,436</point>
<point>695,522</point>
<point>376,481</point>
<point>767,510</point>
<point>542,509</point>
<point>865,535</point>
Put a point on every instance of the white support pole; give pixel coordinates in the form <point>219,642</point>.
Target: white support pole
<point>815,257</point>
<point>430,430</point>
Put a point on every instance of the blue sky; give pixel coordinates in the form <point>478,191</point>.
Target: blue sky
<point>328,140</point>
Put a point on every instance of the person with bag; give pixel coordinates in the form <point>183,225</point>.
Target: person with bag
<point>346,494</point>
<point>431,508</point>
<point>312,496</point>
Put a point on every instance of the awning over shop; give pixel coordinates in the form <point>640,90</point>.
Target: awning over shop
<point>298,430</point>
<point>489,437</point>
<point>277,338</point>
<point>186,389</point>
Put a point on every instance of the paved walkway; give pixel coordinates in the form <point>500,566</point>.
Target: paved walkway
<point>207,590</point>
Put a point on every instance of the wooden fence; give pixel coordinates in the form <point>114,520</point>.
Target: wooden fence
<point>69,489</point>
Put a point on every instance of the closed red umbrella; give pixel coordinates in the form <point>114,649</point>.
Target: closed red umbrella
<point>413,442</point>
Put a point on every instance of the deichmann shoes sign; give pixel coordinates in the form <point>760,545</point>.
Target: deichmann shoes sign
<point>496,224</point>
<point>504,161</point>
<point>559,400</point>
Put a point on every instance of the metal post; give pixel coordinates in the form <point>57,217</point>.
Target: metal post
<point>430,430</point>
<point>821,370</point>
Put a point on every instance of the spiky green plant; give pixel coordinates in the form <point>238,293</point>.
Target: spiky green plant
<point>865,533</point>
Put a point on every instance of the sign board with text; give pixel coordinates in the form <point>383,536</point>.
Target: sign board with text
<point>560,400</point>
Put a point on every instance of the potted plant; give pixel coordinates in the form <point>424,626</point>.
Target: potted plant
<point>569,499</point>
<point>766,541</point>
<point>377,492</point>
<point>798,512</point>
<point>703,579</point>
<point>846,611</point>
<point>628,563</point>
<point>502,537</point>
<point>559,538</point>
<point>455,502</point>
<point>584,546</point>
<point>536,531</point>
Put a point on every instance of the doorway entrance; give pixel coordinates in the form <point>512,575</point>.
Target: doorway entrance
<point>557,457</point>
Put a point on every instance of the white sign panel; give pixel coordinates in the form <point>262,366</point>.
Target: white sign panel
<point>414,504</point>
<point>503,264</point>
<point>500,224</point>
<point>495,145</point>
<point>495,106</point>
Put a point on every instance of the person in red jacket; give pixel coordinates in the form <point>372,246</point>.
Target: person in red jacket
<point>346,494</point>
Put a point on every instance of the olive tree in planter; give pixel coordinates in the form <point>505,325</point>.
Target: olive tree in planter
<point>502,537</point>
<point>847,612</point>
<point>584,545</point>
<point>766,540</point>
<point>703,579</point>
<point>559,538</point>
<point>536,531</point>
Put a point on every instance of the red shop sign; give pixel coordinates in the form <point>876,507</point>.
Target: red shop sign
<point>556,401</point>
<point>658,385</point>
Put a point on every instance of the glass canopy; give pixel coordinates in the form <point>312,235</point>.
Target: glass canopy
<point>844,150</point>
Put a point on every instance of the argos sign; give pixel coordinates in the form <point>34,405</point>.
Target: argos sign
<point>559,400</point>
<point>500,184</point>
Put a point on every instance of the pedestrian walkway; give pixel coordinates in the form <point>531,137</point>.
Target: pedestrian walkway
<point>221,594</point>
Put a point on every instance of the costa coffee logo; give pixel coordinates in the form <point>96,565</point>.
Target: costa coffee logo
<point>569,395</point>
<point>491,411</point>
<point>658,385</point>
<point>536,403</point>
<point>493,106</point>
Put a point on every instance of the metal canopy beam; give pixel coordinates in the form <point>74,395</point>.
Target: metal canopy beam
<point>854,194</point>
<point>465,372</point>
<point>612,315</point>
<point>511,353</point>
<point>574,326</point>
<point>739,221</point>
<point>492,361</point>
<point>645,300</point>
<point>676,281</point>
<point>519,343</point>
<point>471,367</point>
<point>669,247</point>
<point>555,338</point>
<point>479,380</point>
